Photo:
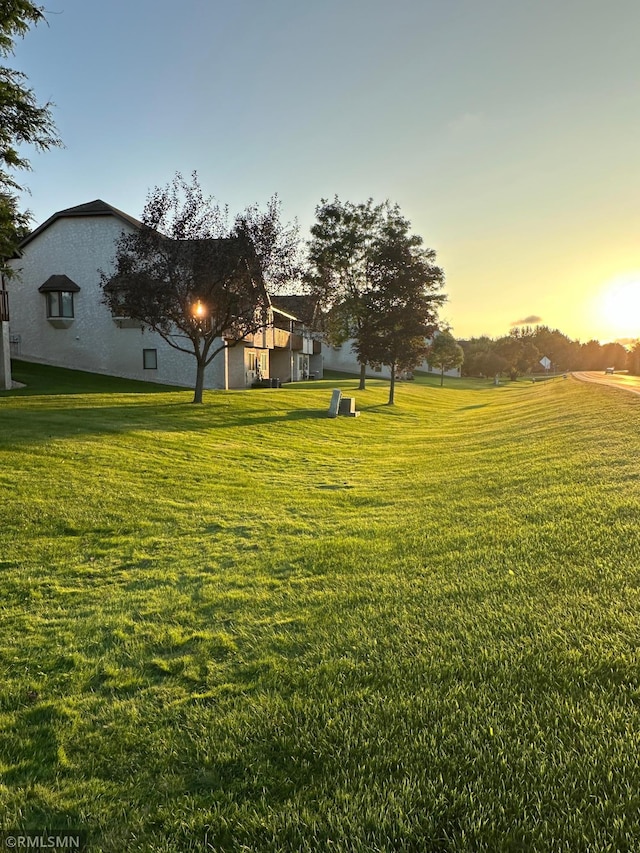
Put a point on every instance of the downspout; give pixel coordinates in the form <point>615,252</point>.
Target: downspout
<point>291,348</point>
<point>5,347</point>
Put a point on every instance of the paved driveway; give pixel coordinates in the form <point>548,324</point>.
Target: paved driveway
<point>615,380</point>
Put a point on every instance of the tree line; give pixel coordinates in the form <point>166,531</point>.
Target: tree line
<point>522,350</point>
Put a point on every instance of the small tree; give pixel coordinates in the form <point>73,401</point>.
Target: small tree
<point>445,353</point>
<point>189,277</point>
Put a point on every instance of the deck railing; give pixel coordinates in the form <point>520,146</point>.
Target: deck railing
<point>281,338</point>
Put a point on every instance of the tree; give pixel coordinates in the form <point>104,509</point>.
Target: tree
<point>475,352</point>
<point>277,244</point>
<point>338,263</point>
<point>339,259</point>
<point>190,277</point>
<point>519,353</point>
<point>396,337</point>
<point>633,358</point>
<point>557,347</point>
<point>22,121</point>
<point>400,309</point>
<point>445,353</point>
<point>369,273</point>
<point>615,355</point>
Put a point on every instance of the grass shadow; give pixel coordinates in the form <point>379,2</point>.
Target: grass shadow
<point>45,380</point>
<point>54,422</point>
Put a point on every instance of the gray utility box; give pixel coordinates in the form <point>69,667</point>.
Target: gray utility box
<point>348,407</point>
<point>334,405</point>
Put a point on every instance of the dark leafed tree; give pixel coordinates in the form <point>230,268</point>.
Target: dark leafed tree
<point>190,277</point>
<point>563,353</point>
<point>339,255</point>
<point>22,122</point>
<point>395,338</point>
<point>519,353</point>
<point>445,353</point>
<point>401,306</point>
<point>276,243</point>
<point>475,350</point>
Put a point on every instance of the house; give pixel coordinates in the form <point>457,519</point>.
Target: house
<point>306,343</point>
<point>58,315</point>
<point>342,358</point>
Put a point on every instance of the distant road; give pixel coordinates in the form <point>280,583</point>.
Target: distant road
<point>615,380</point>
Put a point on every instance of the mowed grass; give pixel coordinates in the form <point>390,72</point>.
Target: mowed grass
<point>244,626</point>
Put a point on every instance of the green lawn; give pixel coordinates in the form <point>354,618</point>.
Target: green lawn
<point>244,626</point>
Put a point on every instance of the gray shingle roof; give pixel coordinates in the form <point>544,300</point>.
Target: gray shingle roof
<point>59,283</point>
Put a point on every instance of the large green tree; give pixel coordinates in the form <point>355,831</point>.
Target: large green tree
<point>374,281</point>
<point>339,263</point>
<point>23,121</point>
<point>401,306</point>
<point>193,278</point>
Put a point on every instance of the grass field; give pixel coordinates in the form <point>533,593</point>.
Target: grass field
<point>244,626</point>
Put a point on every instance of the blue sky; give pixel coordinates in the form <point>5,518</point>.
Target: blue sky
<point>508,131</point>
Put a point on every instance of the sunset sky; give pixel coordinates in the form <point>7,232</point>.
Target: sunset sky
<point>508,131</point>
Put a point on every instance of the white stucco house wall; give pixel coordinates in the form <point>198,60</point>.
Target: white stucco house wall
<point>58,316</point>
<point>343,359</point>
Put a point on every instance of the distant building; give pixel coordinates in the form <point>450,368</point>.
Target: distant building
<point>344,359</point>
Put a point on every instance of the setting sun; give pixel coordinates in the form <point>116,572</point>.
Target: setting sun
<point>619,306</point>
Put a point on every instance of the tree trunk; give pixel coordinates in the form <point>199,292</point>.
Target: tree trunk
<point>392,386</point>
<point>363,371</point>
<point>442,377</point>
<point>197,391</point>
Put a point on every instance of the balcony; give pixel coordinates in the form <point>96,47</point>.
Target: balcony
<point>4,306</point>
<point>286,340</point>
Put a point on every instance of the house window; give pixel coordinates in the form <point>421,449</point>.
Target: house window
<point>251,361</point>
<point>264,362</point>
<point>150,359</point>
<point>58,291</point>
<point>60,304</point>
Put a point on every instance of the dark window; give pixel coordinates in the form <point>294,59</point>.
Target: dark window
<point>60,303</point>
<point>150,359</point>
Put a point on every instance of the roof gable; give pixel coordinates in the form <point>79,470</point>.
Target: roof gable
<point>302,307</point>
<point>91,208</point>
